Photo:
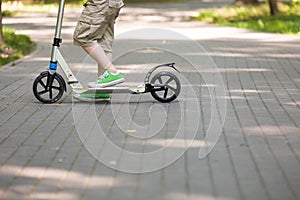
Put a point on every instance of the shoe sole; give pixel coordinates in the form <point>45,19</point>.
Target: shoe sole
<point>80,98</point>
<point>112,83</point>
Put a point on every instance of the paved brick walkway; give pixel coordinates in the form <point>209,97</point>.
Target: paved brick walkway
<point>257,155</point>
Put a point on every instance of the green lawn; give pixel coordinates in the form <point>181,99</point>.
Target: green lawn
<point>20,45</point>
<point>257,18</point>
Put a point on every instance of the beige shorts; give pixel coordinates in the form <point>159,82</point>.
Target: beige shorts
<point>96,24</point>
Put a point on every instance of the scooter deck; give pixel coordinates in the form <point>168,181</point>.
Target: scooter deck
<point>110,90</point>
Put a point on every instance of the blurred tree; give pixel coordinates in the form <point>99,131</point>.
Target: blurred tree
<point>273,7</point>
<point>246,2</point>
<point>1,33</point>
<point>4,49</point>
<point>272,4</point>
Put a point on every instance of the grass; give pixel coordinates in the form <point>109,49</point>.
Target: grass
<point>16,46</point>
<point>257,18</point>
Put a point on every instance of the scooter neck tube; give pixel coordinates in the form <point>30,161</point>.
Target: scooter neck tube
<point>59,19</point>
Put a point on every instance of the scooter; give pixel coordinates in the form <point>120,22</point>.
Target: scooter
<point>49,86</point>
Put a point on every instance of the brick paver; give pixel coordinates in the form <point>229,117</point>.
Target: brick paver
<point>256,157</point>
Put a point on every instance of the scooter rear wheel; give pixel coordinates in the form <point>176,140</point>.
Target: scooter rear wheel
<point>170,82</point>
<point>48,92</point>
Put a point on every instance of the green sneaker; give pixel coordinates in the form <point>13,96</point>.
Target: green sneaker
<point>92,97</point>
<point>107,79</point>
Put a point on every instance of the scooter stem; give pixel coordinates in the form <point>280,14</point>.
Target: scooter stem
<point>57,37</point>
<point>59,19</point>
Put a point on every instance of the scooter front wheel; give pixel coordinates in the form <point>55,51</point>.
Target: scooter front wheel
<point>48,88</point>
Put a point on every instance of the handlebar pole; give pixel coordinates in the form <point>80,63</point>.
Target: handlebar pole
<point>59,19</point>
<point>57,37</point>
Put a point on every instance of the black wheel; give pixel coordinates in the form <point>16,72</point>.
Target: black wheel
<point>172,87</point>
<point>48,88</point>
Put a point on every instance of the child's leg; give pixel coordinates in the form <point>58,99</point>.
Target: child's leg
<point>97,52</point>
<point>109,55</point>
<point>101,70</point>
<point>112,77</point>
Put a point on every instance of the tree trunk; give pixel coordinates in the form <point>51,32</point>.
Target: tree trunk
<point>1,33</point>
<point>273,7</point>
<point>246,2</point>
